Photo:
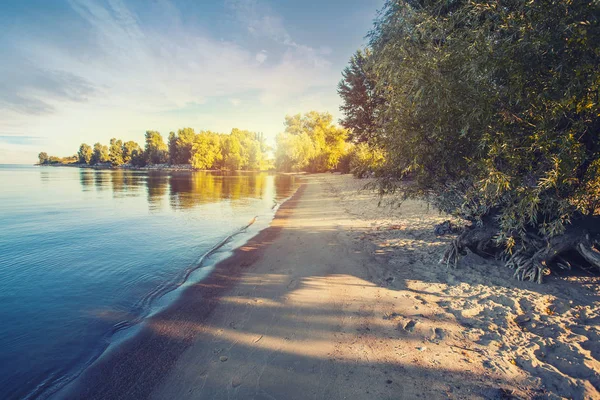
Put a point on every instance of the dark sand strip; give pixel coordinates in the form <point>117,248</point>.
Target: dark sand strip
<point>137,366</point>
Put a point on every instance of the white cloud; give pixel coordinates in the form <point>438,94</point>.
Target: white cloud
<point>133,71</point>
<point>261,57</point>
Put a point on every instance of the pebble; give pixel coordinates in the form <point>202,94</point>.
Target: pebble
<point>223,358</point>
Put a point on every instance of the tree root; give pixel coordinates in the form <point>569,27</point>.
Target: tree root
<point>589,253</point>
<point>479,240</point>
<point>534,256</point>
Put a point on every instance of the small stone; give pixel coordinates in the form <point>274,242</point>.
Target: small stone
<point>223,358</point>
<point>389,381</point>
<point>236,381</point>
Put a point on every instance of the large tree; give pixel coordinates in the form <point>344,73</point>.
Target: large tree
<point>492,111</point>
<point>43,158</point>
<point>99,154</point>
<point>310,142</point>
<point>206,151</point>
<point>131,150</point>
<point>84,154</point>
<point>360,99</point>
<point>115,152</point>
<point>156,151</point>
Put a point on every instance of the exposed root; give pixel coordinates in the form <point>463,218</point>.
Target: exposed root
<point>479,240</point>
<point>534,256</point>
<point>528,267</point>
<point>589,253</point>
<point>452,254</point>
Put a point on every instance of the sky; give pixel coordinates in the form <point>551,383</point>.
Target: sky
<point>84,71</point>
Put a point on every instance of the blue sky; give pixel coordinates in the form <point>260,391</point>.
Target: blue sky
<point>78,71</point>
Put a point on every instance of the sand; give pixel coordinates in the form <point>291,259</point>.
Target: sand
<point>341,299</point>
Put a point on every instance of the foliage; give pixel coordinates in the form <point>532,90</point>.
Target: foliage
<point>364,160</point>
<point>180,146</point>
<point>310,142</point>
<point>492,109</point>
<point>115,152</point>
<point>206,151</point>
<point>84,154</point>
<point>43,158</point>
<point>156,149</point>
<point>131,151</point>
<point>360,100</point>
<point>100,154</point>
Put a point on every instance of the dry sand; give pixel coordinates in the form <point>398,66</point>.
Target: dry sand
<point>341,299</point>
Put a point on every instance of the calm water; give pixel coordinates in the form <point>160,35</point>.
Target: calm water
<point>85,255</point>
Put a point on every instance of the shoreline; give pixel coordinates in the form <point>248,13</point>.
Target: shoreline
<point>131,357</point>
<point>157,167</point>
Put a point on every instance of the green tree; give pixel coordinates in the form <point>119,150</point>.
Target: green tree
<point>185,142</point>
<point>115,152</point>
<point>231,150</point>
<point>43,158</point>
<point>310,142</point>
<point>360,99</point>
<point>206,151</point>
<point>100,154</point>
<point>492,111</point>
<point>294,152</point>
<point>84,154</point>
<point>172,148</point>
<point>131,150</point>
<point>156,149</point>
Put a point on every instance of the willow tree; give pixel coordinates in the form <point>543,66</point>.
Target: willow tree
<point>492,111</point>
<point>310,142</point>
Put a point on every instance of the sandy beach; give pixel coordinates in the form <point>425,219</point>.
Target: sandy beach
<point>342,299</point>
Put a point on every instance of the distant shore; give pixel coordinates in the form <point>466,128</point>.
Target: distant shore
<point>128,167</point>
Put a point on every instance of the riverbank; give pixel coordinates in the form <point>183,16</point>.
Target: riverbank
<point>341,299</point>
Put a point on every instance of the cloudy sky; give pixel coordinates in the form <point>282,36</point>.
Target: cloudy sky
<point>76,71</point>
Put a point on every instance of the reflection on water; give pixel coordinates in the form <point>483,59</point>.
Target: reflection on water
<point>78,245</point>
<point>184,189</point>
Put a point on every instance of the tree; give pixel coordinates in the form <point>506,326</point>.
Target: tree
<point>310,142</point>
<point>100,154</point>
<point>131,150</point>
<point>43,157</point>
<point>156,149</point>
<point>84,154</point>
<point>206,151</point>
<point>492,112</point>
<point>232,152</point>
<point>360,99</point>
<point>185,142</point>
<point>172,148</point>
<point>115,152</point>
<point>294,152</point>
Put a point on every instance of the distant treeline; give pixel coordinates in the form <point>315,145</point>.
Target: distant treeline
<point>310,142</point>
<point>239,150</point>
